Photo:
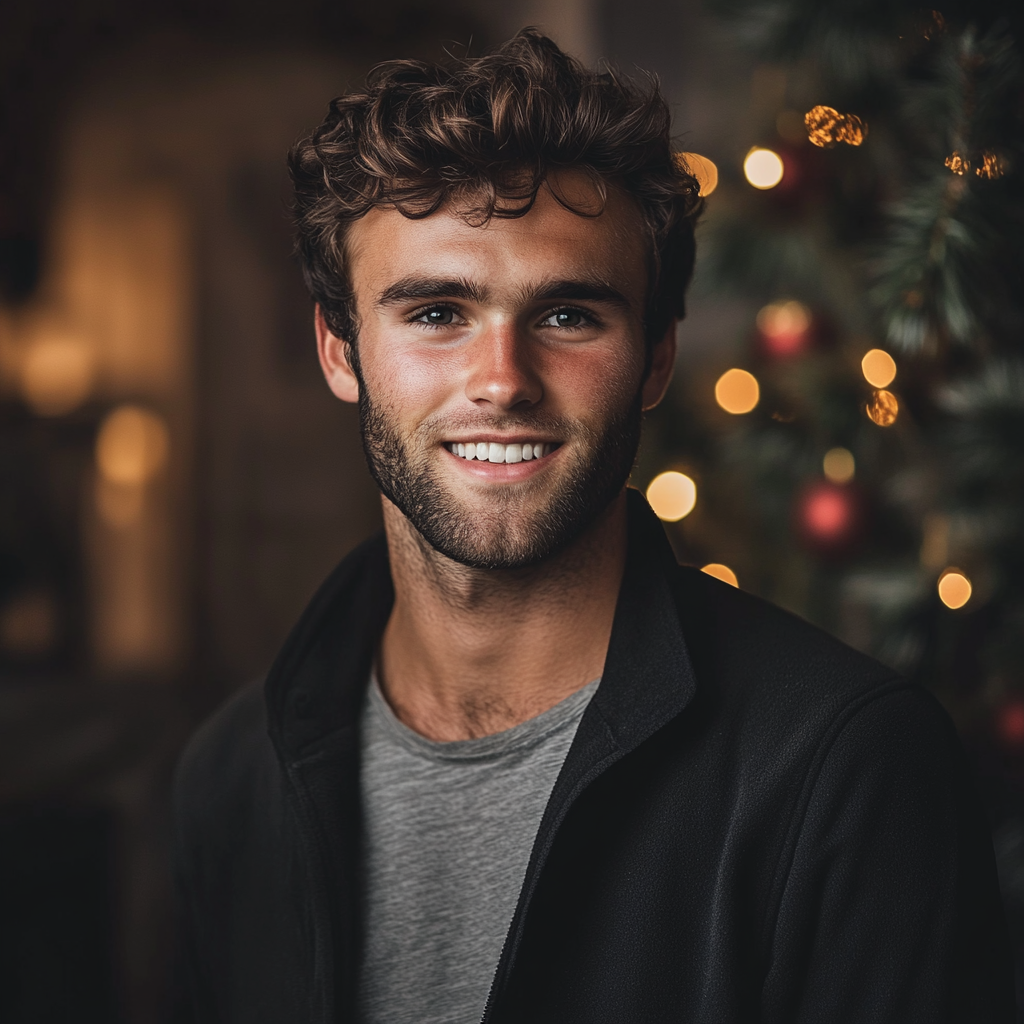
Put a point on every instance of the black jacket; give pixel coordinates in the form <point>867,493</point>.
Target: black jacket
<point>753,823</point>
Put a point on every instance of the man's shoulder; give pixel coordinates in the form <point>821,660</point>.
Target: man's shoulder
<point>229,762</point>
<point>756,654</point>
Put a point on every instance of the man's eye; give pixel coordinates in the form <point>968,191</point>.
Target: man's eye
<point>566,318</point>
<point>437,317</point>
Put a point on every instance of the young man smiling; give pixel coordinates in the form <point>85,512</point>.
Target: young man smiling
<point>514,763</point>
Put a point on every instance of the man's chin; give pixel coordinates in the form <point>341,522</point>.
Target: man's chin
<point>493,534</point>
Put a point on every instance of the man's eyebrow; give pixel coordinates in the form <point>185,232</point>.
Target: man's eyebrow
<point>411,288</point>
<point>581,290</point>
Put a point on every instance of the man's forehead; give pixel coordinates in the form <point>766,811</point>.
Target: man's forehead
<point>550,243</point>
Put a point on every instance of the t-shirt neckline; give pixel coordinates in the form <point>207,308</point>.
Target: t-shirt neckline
<point>520,737</point>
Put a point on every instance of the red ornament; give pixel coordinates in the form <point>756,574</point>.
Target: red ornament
<point>1010,723</point>
<point>828,515</point>
<point>784,329</point>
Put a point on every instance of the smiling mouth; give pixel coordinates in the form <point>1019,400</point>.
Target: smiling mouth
<point>490,451</point>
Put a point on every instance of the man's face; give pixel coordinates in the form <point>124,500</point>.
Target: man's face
<point>519,343</point>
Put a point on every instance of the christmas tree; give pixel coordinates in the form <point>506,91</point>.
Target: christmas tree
<point>861,459</point>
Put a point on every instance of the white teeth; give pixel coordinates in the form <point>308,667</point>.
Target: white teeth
<point>491,451</point>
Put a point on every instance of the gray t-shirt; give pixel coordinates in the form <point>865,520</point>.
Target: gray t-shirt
<point>448,832</point>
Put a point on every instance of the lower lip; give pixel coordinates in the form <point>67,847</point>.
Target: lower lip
<point>502,472</point>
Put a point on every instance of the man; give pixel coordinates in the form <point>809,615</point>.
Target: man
<point>513,763</point>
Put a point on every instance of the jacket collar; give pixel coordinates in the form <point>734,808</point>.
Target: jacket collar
<point>315,687</point>
<point>314,692</point>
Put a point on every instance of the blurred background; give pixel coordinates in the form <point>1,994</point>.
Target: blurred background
<point>845,434</point>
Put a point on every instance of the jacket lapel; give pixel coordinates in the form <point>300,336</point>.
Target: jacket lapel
<point>314,692</point>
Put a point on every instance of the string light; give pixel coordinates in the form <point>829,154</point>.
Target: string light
<point>763,168</point>
<point>839,465</point>
<point>826,127</point>
<point>737,391</point>
<point>721,572</point>
<point>879,368</point>
<point>703,169</point>
<point>954,588</point>
<point>883,408</point>
<point>672,495</point>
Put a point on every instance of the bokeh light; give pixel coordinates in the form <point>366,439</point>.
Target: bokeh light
<point>883,408</point>
<point>954,588</point>
<point>131,446</point>
<point>721,572</point>
<point>1010,723</point>
<point>879,368</point>
<point>672,495</point>
<point>56,373</point>
<point>784,327</point>
<point>826,126</point>
<point>737,391</point>
<point>827,514</point>
<point>839,465</point>
<point>763,168</point>
<point>703,169</point>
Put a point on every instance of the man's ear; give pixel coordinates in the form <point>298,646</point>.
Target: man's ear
<point>663,361</point>
<point>333,353</point>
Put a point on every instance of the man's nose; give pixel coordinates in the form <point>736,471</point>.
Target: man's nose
<point>503,368</point>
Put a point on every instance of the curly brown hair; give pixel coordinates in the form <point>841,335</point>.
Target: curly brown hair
<point>484,134</point>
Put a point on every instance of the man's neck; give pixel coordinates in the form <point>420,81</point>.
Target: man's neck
<point>469,652</point>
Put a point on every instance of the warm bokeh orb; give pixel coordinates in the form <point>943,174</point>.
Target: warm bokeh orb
<point>703,169</point>
<point>737,391</point>
<point>56,374</point>
<point>672,495</point>
<point>839,465</point>
<point>763,168</point>
<point>879,368</point>
<point>721,572</point>
<point>954,589</point>
<point>131,446</point>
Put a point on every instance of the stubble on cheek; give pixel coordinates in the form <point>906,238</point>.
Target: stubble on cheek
<point>508,526</point>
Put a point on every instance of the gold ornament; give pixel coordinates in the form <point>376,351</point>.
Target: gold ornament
<point>958,163</point>
<point>991,167</point>
<point>826,126</point>
<point>883,408</point>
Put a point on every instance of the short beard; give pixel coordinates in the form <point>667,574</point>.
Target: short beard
<point>504,536</point>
